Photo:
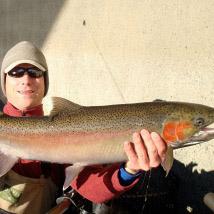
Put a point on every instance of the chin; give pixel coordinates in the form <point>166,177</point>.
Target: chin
<point>27,104</point>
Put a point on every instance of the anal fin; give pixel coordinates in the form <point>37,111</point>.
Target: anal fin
<point>6,163</point>
<point>71,172</point>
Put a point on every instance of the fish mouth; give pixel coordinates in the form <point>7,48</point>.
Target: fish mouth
<point>204,135</point>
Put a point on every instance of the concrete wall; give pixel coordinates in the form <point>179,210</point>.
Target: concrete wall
<point>123,51</point>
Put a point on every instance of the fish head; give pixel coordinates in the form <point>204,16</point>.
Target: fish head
<point>187,124</point>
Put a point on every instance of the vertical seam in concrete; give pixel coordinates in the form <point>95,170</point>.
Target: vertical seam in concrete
<point>107,67</point>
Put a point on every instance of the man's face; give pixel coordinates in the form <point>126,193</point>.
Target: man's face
<point>24,92</point>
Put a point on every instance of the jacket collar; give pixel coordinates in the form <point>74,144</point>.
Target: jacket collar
<point>11,110</point>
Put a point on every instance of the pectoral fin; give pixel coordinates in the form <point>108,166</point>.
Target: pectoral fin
<point>168,162</point>
<point>6,163</point>
<point>71,172</point>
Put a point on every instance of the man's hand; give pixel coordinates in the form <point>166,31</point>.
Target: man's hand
<point>147,150</point>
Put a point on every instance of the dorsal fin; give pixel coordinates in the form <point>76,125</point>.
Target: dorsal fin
<point>55,105</point>
<point>159,100</point>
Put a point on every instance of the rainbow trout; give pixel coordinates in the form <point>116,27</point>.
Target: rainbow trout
<point>83,136</point>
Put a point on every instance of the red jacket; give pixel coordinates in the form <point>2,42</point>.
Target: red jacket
<point>97,184</point>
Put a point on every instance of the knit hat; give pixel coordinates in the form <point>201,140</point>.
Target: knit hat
<point>24,52</point>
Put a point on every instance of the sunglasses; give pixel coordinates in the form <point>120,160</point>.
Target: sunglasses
<point>18,72</point>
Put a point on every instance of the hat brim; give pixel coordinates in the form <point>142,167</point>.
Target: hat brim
<point>14,64</point>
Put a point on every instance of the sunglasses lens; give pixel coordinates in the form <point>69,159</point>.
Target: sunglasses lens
<point>19,72</point>
<point>34,73</point>
<point>16,72</point>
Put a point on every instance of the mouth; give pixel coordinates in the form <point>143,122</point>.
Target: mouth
<point>25,92</point>
<point>204,135</point>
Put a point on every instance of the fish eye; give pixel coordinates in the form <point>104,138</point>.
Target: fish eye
<point>199,122</point>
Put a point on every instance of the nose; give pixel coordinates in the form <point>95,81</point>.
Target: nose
<point>26,79</point>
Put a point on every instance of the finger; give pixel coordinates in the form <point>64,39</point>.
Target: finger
<point>141,151</point>
<point>154,159</point>
<point>160,145</point>
<point>130,152</point>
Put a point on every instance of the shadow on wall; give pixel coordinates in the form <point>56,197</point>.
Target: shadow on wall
<point>181,192</point>
<point>1,105</point>
<point>193,186</point>
<point>26,20</point>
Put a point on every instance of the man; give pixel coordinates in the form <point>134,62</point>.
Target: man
<point>24,82</point>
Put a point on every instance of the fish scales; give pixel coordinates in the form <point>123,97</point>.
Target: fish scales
<point>87,119</point>
<point>94,135</point>
<point>96,118</point>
